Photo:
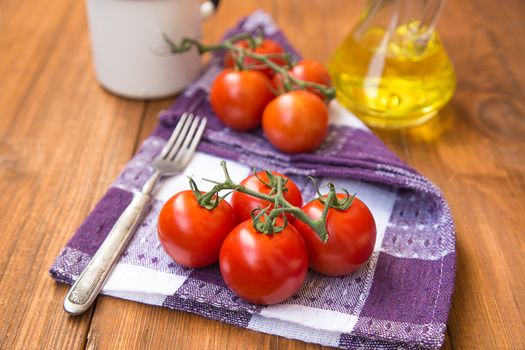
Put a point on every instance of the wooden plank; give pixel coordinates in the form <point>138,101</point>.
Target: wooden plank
<point>63,140</point>
<point>473,151</point>
<point>28,35</point>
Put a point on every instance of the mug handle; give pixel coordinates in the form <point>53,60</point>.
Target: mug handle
<point>208,8</point>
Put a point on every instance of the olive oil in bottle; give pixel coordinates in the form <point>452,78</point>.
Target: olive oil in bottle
<point>393,78</point>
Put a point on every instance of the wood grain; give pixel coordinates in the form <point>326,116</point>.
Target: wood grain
<point>64,139</point>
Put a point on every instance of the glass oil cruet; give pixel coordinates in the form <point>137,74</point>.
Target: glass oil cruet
<point>392,70</point>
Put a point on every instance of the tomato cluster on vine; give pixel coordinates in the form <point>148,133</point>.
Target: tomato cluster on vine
<point>250,93</point>
<point>265,240</point>
<point>261,85</point>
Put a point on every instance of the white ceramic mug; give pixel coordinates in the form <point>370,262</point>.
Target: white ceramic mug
<point>127,44</point>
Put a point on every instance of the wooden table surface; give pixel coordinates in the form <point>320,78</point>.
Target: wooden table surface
<point>64,139</point>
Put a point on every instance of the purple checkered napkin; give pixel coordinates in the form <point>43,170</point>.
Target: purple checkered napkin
<point>400,299</point>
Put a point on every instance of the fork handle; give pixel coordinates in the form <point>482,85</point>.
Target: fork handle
<point>88,285</point>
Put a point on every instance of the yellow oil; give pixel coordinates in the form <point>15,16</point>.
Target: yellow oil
<point>392,81</point>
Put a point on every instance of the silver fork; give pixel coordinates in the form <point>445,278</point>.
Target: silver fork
<point>172,160</point>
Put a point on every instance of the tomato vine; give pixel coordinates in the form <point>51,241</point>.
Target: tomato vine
<point>264,219</point>
<point>239,53</point>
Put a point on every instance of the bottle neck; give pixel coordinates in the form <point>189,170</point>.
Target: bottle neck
<point>408,24</point>
<point>420,16</point>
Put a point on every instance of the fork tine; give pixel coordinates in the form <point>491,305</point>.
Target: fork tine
<point>195,141</point>
<point>182,135</point>
<point>187,140</point>
<point>174,135</point>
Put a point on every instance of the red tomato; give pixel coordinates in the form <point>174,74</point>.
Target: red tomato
<point>190,234</point>
<point>268,46</point>
<point>244,204</point>
<point>306,70</point>
<point>351,238</point>
<point>228,57</point>
<point>238,98</point>
<point>263,269</point>
<point>296,122</point>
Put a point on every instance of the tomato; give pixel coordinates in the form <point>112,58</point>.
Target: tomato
<point>296,122</point>
<point>268,46</point>
<point>244,204</point>
<point>238,98</point>
<point>351,238</point>
<point>306,70</point>
<point>263,269</point>
<point>228,57</point>
<point>190,234</point>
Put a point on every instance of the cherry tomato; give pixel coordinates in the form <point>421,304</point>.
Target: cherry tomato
<point>296,122</point>
<point>267,46</point>
<point>263,269</point>
<point>306,70</point>
<point>244,204</point>
<point>351,238</point>
<point>228,57</point>
<point>238,98</point>
<point>193,235</point>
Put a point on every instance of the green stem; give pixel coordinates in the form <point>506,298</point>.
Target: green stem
<point>281,205</point>
<point>290,82</point>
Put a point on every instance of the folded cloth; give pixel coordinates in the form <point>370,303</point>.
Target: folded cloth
<point>400,299</point>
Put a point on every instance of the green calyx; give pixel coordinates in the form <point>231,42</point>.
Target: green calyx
<point>266,223</point>
<point>331,198</point>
